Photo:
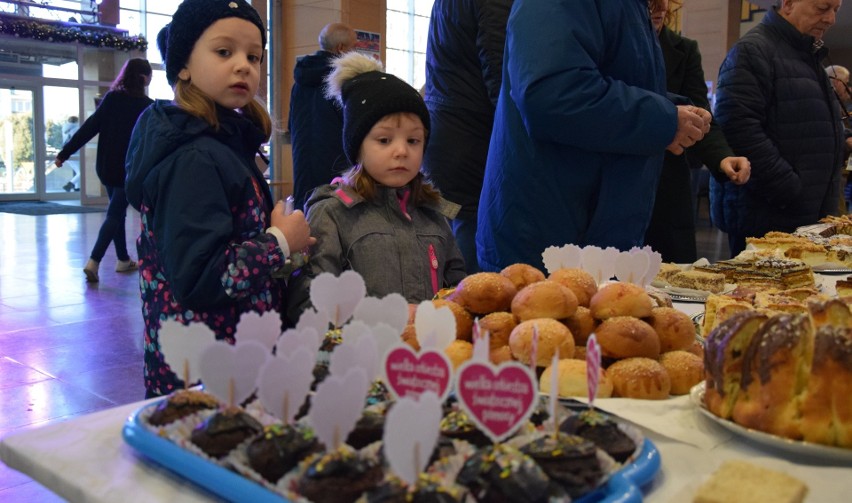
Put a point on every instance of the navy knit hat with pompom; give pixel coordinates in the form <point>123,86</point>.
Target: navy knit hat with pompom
<point>189,22</point>
<point>367,94</point>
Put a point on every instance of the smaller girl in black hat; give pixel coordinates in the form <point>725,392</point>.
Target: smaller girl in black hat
<point>382,219</point>
<point>212,238</point>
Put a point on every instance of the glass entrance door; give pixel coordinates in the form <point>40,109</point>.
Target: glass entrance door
<point>17,142</point>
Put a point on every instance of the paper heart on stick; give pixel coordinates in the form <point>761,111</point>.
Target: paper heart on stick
<point>318,320</point>
<point>339,295</point>
<point>230,372</point>
<point>439,321</point>
<point>391,310</point>
<point>555,258</point>
<point>386,338</point>
<point>337,406</point>
<point>631,267</point>
<point>409,374</point>
<point>284,381</point>
<point>655,261</point>
<point>497,399</point>
<point>181,346</point>
<point>294,338</point>
<point>351,354</point>
<point>411,431</point>
<point>265,328</point>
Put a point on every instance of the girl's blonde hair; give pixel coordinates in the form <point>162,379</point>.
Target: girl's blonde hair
<point>422,192</point>
<point>671,11</point>
<point>196,103</point>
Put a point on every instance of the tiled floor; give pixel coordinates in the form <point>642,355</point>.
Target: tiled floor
<point>69,348</point>
<point>66,347</point>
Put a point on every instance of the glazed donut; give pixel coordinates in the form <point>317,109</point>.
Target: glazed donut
<point>639,378</point>
<point>522,275</point>
<point>464,321</point>
<point>675,328</point>
<point>621,299</point>
<point>578,281</point>
<point>545,299</point>
<point>685,370</point>
<point>499,326</point>
<point>552,335</point>
<point>572,380</point>
<point>484,292</point>
<point>626,336</point>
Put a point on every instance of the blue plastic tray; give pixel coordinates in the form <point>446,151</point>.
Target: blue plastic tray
<point>624,486</point>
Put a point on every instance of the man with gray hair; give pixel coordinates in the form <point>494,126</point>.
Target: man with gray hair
<point>316,122</point>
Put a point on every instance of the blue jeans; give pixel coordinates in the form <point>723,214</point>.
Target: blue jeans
<point>113,227</point>
<point>464,229</point>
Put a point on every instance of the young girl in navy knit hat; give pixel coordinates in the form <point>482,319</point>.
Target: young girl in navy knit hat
<point>382,219</point>
<point>211,235</point>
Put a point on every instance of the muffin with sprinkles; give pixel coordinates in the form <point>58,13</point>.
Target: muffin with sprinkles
<point>338,476</point>
<point>568,460</point>
<point>502,474</point>
<point>280,448</point>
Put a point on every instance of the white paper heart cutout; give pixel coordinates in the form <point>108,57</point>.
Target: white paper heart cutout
<point>386,338</point>
<point>230,372</point>
<point>412,427</point>
<point>284,381</point>
<point>555,258</point>
<point>295,338</point>
<point>631,267</point>
<point>181,346</point>
<point>655,260</point>
<point>439,321</point>
<point>599,263</point>
<point>360,353</point>
<point>391,310</point>
<point>482,347</point>
<point>264,329</point>
<point>354,330</point>
<point>339,295</point>
<point>337,406</point>
<point>318,320</point>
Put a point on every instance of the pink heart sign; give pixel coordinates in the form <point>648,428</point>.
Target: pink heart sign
<point>409,374</point>
<point>497,399</point>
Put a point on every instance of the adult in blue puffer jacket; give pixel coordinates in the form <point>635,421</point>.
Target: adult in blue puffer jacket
<point>581,125</point>
<point>776,107</point>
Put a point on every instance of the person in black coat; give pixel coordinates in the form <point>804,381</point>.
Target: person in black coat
<point>113,121</point>
<point>315,121</point>
<point>776,106</point>
<point>464,65</point>
<point>672,228</point>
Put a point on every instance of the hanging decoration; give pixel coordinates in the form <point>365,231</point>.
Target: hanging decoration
<point>62,33</point>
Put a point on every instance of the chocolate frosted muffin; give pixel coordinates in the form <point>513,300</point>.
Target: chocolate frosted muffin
<point>568,460</point>
<point>181,404</point>
<point>370,426</point>
<point>502,474</point>
<point>456,424</point>
<point>331,340</point>
<point>221,432</point>
<point>340,476</point>
<point>429,489</point>
<point>602,431</point>
<point>280,448</point>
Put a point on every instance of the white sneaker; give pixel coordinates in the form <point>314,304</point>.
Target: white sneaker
<point>91,271</point>
<point>126,265</point>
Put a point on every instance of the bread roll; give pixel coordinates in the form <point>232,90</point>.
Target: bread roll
<point>409,336</point>
<point>626,336</point>
<point>685,370</point>
<point>572,380</point>
<point>500,355</point>
<point>522,275</point>
<point>459,352</point>
<point>674,328</point>
<point>484,292</point>
<point>464,321</point>
<point>697,349</point>
<point>545,299</point>
<point>579,352</point>
<point>581,324</point>
<point>620,299</point>
<point>639,378</point>
<point>499,326</point>
<point>578,281</point>
<point>552,335</point>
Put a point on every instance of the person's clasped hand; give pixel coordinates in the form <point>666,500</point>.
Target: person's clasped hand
<point>58,162</point>
<point>692,124</point>
<point>737,169</point>
<point>294,226</point>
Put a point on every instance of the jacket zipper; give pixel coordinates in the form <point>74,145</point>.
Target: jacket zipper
<point>433,268</point>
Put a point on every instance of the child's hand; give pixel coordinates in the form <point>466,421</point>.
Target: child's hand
<point>294,226</point>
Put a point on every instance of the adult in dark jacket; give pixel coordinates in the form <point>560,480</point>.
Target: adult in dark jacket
<point>579,131</point>
<point>315,121</point>
<point>776,107</point>
<point>464,64</point>
<point>113,121</point>
<point>672,228</point>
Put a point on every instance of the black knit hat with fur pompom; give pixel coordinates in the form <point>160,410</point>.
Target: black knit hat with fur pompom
<point>189,22</point>
<point>367,94</point>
